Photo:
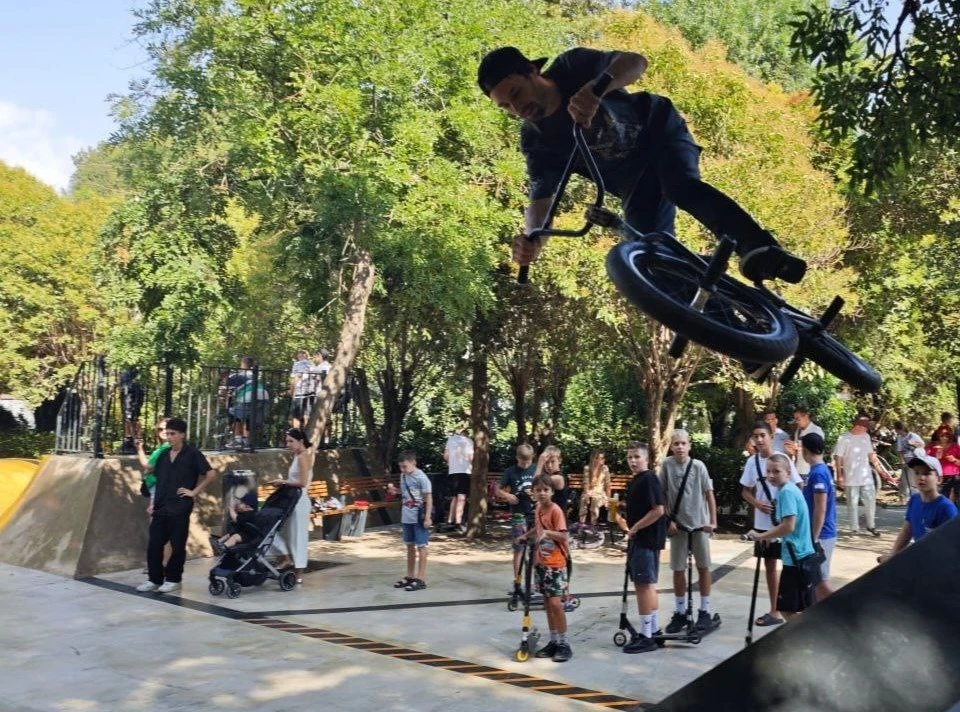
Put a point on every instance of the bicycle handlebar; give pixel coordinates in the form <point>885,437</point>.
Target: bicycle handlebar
<point>581,148</point>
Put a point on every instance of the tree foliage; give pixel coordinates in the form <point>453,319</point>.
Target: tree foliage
<point>52,313</point>
<point>888,82</point>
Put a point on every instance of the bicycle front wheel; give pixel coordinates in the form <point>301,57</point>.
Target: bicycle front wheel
<point>737,321</point>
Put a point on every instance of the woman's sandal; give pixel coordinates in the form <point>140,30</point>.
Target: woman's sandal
<point>404,582</point>
<point>415,585</point>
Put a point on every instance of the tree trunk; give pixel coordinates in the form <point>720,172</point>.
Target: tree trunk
<point>350,335</point>
<point>480,420</point>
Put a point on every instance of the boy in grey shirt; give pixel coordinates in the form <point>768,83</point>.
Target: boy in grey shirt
<point>416,503</point>
<point>695,519</point>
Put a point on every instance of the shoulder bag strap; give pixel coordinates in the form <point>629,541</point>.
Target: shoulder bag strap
<point>683,487</point>
<point>766,491</point>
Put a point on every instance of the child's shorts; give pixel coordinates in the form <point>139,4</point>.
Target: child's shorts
<point>644,565</point>
<point>678,550</point>
<point>793,596</point>
<point>551,582</point>
<point>518,532</point>
<point>416,534</point>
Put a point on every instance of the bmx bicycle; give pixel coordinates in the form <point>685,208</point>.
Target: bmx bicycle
<point>694,297</point>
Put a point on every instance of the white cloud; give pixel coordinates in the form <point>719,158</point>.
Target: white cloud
<point>31,139</point>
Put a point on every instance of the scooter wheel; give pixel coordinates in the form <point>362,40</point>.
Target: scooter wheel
<point>512,606</point>
<point>522,655</point>
<point>575,602</point>
<point>695,639</point>
<point>619,638</point>
<point>661,643</point>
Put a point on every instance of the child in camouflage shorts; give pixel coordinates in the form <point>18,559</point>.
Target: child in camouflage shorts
<point>549,535</point>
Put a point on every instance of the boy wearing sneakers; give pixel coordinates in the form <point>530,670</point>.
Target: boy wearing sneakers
<point>647,533</point>
<point>416,505</point>
<point>549,536</point>
<point>690,505</point>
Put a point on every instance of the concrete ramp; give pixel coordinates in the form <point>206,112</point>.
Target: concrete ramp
<point>82,517</point>
<point>886,642</point>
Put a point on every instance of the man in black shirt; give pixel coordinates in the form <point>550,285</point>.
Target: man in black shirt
<point>645,153</point>
<point>647,533</point>
<point>182,473</point>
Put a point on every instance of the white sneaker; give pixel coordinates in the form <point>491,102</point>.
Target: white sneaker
<point>169,587</point>
<point>148,587</point>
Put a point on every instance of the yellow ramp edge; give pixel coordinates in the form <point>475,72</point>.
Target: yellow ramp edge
<point>16,474</point>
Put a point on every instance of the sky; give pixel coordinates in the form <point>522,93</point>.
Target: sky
<point>61,59</point>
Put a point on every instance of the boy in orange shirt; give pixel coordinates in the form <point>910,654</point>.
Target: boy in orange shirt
<point>549,535</point>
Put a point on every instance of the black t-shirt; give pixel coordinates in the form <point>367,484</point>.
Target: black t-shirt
<point>519,481</point>
<point>623,136</point>
<point>184,471</point>
<point>562,497</point>
<point>643,494</point>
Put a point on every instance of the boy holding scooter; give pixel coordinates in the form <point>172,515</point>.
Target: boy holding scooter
<point>549,536</point>
<point>647,535</point>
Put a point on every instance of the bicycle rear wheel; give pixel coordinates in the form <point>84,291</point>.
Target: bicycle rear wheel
<point>827,351</point>
<point>737,321</point>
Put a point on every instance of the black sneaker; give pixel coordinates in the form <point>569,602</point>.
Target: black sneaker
<point>677,623</point>
<point>547,651</point>
<point>563,653</point>
<point>874,532</point>
<point>640,644</point>
<point>772,262</point>
<point>704,621</point>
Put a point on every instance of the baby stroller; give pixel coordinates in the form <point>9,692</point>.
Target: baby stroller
<point>245,564</point>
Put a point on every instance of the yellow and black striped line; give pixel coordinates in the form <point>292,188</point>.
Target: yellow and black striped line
<point>507,677</point>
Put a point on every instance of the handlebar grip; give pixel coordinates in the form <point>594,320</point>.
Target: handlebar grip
<point>522,274</point>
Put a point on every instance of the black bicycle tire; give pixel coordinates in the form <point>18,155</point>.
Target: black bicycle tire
<point>828,352</point>
<point>779,344</point>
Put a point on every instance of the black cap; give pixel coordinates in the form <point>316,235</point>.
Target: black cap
<point>813,442</point>
<point>500,63</point>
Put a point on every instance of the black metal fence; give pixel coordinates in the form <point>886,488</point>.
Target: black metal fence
<point>105,410</point>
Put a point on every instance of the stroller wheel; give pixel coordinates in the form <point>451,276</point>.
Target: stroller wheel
<point>288,580</point>
<point>216,587</point>
<point>233,590</point>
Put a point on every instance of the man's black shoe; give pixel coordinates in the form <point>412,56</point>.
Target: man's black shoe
<point>772,262</point>
<point>640,644</point>
<point>547,651</point>
<point>677,623</point>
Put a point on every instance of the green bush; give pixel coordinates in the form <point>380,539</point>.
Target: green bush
<point>25,443</point>
<point>725,466</point>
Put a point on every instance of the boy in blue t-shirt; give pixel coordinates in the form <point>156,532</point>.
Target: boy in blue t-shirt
<point>795,593</point>
<point>821,498</point>
<point>927,509</point>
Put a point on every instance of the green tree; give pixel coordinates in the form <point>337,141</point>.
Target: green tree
<point>52,313</point>
<point>756,34</point>
<point>887,82</point>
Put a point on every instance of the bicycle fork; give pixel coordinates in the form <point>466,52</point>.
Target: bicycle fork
<point>716,267</point>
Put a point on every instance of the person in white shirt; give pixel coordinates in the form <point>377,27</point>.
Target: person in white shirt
<point>804,425</point>
<point>907,444</point>
<point>853,458</point>
<point>761,495</point>
<point>780,437</point>
<point>300,390</point>
<point>458,455</point>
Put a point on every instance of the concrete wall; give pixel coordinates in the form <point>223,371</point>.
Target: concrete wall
<point>82,517</point>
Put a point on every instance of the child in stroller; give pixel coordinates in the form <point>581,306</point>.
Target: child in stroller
<point>243,557</point>
<point>241,513</point>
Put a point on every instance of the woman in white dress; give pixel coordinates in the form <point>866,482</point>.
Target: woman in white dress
<point>291,541</point>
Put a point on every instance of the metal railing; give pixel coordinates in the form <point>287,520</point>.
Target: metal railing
<point>105,409</point>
